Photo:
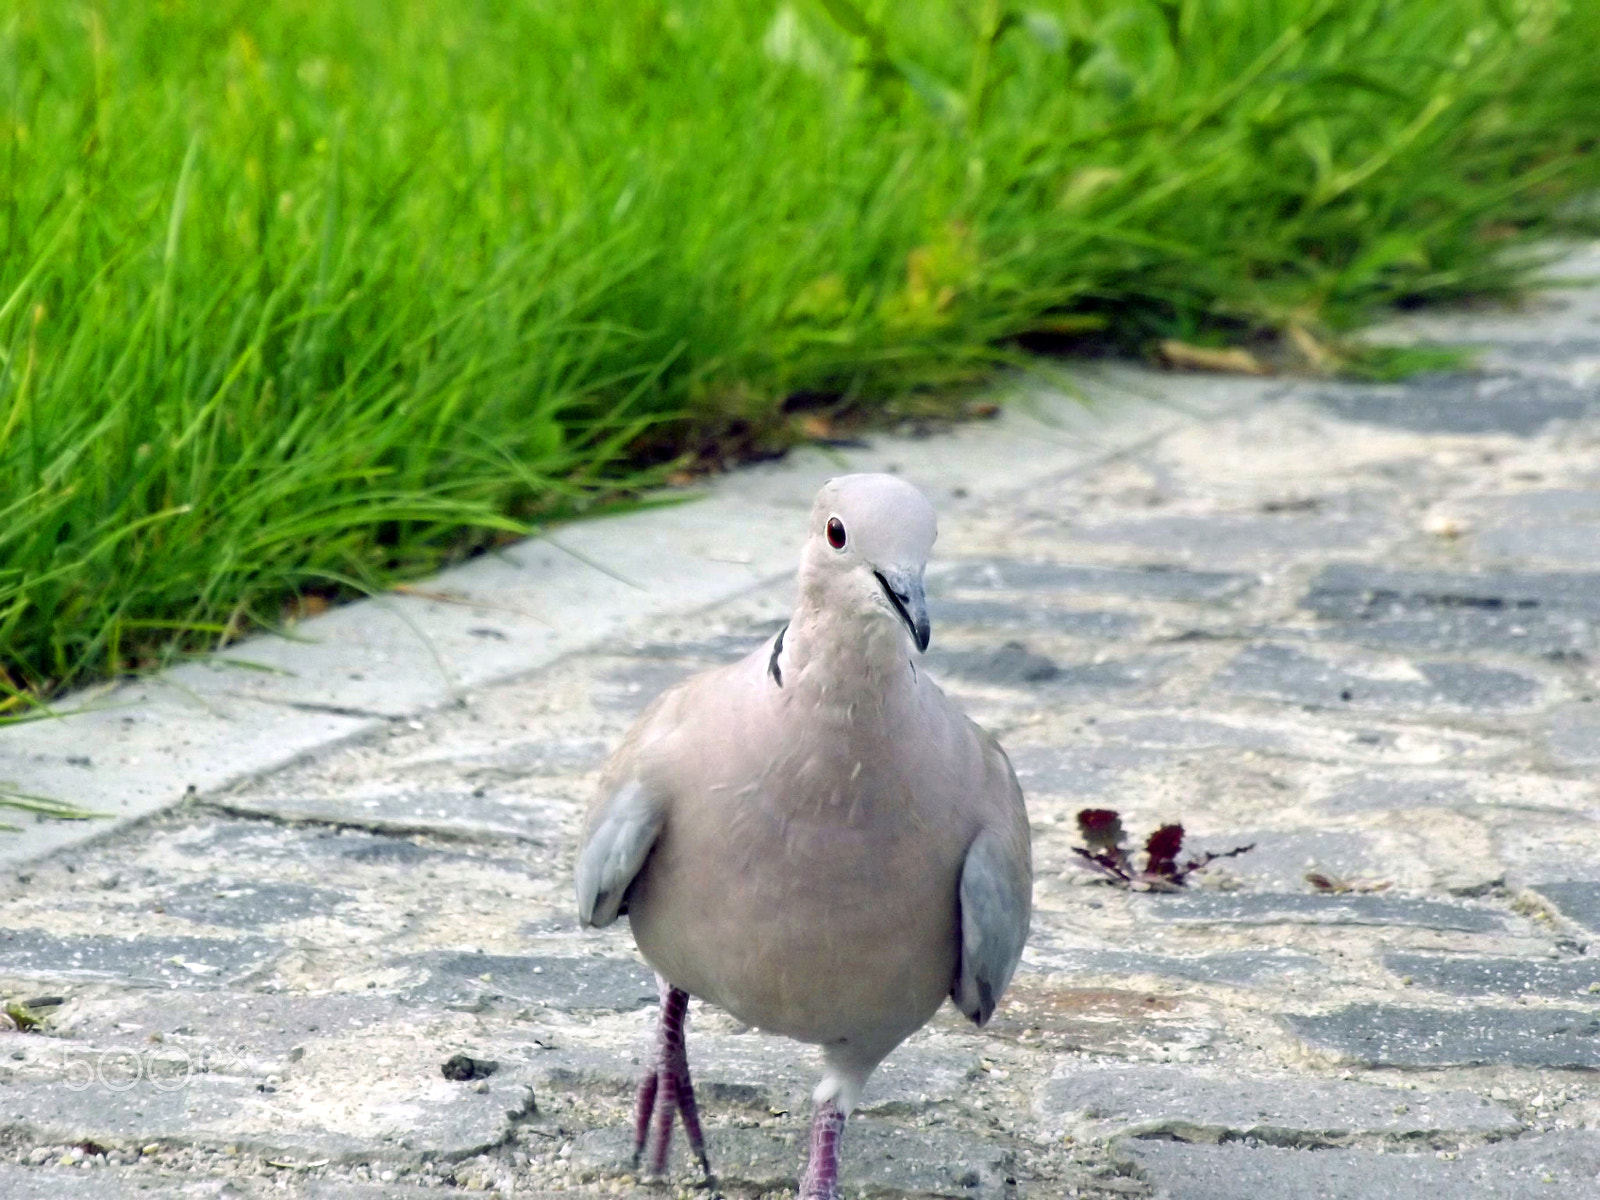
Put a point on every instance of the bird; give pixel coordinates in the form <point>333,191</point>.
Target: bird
<point>814,838</point>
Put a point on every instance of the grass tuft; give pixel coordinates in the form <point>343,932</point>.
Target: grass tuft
<point>300,299</point>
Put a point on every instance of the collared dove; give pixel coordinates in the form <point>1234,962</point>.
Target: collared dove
<point>815,838</point>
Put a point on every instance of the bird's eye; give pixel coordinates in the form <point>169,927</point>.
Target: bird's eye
<point>836,533</point>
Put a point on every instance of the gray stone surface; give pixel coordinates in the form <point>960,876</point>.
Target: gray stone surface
<point>1238,967</point>
<point>1468,975</point>
<point>142,961</point>
<point>1385,1035</point>
<point>1153,582</point>
<point>1281,1110</point>
<point>1355,626</point>
<point>1338,909</point>
<point>1533,613</point>
<point>1573,733</point>
<point>1512,404</point>
<point>252,906</point>
<point>1577,900</point>
<point>1287,673</point>
<point>563,983</point>
<point>881,1158</point>
<point>395,1122</point>
<point>1555,1165</point>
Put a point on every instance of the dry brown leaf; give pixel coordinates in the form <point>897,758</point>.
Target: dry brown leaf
<point>1313,351</point>
<point>1233,359</point>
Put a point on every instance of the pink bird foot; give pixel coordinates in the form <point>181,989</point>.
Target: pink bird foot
<point>666,1089</point>
<point>821,1180</point>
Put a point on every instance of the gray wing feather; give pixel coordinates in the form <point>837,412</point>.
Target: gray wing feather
<point>626,829</point>
<point>996,899</point>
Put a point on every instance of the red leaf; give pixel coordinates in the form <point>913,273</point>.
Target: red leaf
<point>1161,851</point>
<point>1101,827</point>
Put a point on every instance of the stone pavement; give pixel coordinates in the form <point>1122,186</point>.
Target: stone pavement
<point>1353,625</point>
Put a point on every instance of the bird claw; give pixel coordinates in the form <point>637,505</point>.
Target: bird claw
<point>666,1093</point>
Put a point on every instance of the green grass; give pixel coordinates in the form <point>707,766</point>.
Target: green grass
<point>318,294</point>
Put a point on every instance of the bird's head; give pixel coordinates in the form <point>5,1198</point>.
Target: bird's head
<point>868,547</point>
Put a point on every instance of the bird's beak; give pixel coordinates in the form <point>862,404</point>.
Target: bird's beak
<point>906,597</point>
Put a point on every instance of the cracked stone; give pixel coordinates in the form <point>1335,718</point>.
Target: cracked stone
<point>1148,1101</point>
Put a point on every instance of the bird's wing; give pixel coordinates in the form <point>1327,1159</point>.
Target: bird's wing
<point>996,893</point>
<point>623,828</point>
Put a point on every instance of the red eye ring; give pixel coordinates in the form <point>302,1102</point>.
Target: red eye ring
<point>836,537</point>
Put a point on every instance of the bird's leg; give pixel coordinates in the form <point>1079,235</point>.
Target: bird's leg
<point>666,1090</point>
<point>821,1180</point>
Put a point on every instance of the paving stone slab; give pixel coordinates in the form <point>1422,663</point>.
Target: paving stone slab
<point>876,1157</point>
<point>1281,1110</point>
<point>1014,664</point>
<point>1572,734</point>
<point>1235,967</point>
<point>221,1032</point>
<point>1464,975</point>
<point>1079,770</point>
<point>156,961</point>
<point>1286,673</point>
<point>1244,908</point>
<point>1556,1165</point>
<point>1576,900</point>
<point>1555,525</point>
<point>1464,404</point>
<point>1155,582</point>
<point>459,810</point>
<point>1049,1011</point>
<point>252,905</point>
<point>566,984</point>
<point>53,1182</point>
<point>946,612</point>
<point>1280,858</point>
<point>1224,539</point>
<point>345,1121</point>
<point>1388,1035</point>
<point>1547,614</point>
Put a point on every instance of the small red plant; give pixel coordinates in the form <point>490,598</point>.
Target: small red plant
<point>1103,850</point>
